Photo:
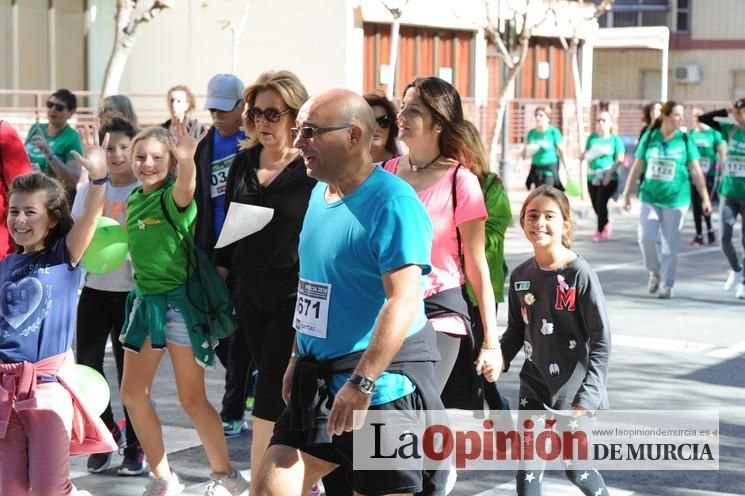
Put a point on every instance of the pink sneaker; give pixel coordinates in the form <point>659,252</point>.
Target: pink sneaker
<point>597,237</point>
<point>608,229</point>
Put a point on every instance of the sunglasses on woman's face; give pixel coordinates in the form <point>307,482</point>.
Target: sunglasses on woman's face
<point>384,121</point>
<point>59,107</point>
<point>271,114</point>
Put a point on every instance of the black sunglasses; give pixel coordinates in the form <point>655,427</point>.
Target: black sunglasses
<point>384,121</point>
<point>271,114</point>
<point>59,107</point>
<point>308,132</point>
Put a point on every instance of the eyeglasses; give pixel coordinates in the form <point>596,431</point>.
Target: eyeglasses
<point>271,114</point>
<point>599,120</point>
<point>384,121</point>
<point>59,107</point>
<point>308,132</point>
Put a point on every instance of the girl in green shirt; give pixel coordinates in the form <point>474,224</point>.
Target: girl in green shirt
<point>731,188</point>
<point>604,153</point>
<point>543,145</point>
<point>667,158</point>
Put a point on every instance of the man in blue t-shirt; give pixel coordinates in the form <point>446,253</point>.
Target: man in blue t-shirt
<point>364,247</point>
<point>214,157</point>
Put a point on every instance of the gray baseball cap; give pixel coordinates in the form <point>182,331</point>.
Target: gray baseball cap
<point>223,92</point>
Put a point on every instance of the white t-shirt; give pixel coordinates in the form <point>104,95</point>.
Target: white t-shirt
<point>114,206</point>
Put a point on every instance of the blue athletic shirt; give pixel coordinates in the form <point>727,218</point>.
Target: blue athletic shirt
<point>38,304</point>
<point>350,244</point>
<point>224,149</point>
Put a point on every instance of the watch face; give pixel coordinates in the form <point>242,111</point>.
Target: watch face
<point>367,385</point>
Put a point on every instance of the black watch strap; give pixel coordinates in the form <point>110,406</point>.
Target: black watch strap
<point>362,383</point>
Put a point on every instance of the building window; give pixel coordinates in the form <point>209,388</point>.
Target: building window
<point>630,13</point>
<point>684,15</point>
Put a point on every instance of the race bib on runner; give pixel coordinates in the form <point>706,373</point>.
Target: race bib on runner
<point>705,163</point>
<point>312,308</point>
<point>219,176</point>
<point>661,169</point>
<point>735,166</point>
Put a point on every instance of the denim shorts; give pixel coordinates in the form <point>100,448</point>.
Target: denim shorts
<point>176,331</point>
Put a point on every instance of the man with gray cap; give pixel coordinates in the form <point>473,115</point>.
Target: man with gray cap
<point>214,157</point>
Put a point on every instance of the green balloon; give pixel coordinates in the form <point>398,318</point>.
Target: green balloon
<point>573,188</point>
<point>92,389</point>
<point>108,248</point>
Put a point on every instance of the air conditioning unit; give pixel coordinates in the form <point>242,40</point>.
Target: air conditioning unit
<point>687,73</point>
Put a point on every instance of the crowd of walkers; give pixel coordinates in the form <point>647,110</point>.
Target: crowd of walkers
<point>374,286</point>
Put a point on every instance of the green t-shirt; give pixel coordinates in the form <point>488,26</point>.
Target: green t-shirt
<point>546,142</point>
<point>666,180</point>
<point>707,141</point>
<point>62,144</point>
<point>500,215</point>
<point>733,172</point>
<point>158,256</point>
<point>607,150</point>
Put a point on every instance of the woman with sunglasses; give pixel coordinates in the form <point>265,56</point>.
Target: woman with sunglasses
<point>384,144</point>
<point>269,172</point>
<point>604,153</point>
<point>439,167</point>
<point>667,158</point>
<point>50,145</point>
<point>731,189</point>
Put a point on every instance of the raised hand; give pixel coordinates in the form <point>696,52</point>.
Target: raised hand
<point>184,142</point>
<point>94,153</point>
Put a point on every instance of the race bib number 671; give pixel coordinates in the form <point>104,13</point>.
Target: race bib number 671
<point>312,308</point>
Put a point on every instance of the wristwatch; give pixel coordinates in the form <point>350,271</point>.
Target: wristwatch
<point>364,384</point>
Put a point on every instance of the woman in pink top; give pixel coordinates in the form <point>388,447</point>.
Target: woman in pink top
<point>438,167</point>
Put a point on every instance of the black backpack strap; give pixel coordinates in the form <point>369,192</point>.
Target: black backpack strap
<point>455,205</point>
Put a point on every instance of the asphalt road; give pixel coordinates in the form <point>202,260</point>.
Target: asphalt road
<point>686,353</point>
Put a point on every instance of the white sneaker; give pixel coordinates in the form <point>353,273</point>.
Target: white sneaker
<point>163,487</point>
<point>654,283</point>
<point>665,293</point>
<point>740,291</point>
<point>227,485</point>
<point>732,278</point>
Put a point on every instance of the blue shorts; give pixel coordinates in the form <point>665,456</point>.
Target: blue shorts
<point>176,331</point>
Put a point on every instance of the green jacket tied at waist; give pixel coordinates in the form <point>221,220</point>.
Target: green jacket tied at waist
<point>146,318</point>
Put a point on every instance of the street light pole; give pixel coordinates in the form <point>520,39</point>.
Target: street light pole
<point>504,162</point>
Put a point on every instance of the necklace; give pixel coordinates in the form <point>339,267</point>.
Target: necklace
<point>417,168</point>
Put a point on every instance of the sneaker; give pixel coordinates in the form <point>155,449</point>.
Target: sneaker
<point>665,293</point>
<point>608,229</point>
<point>711,237</point>
<point>654,283</point>
<point>316,489</point>
<point>163,487</point>
<point>98,462</point>
<point>698,240</point>
<point>233,427</point>
<point>81,492</point>
<point>133,462</point>
<point>740,291</point>
<point>596,237</point>
<point>233,485</point>
<point>732,277</point>
<point>250,403</point>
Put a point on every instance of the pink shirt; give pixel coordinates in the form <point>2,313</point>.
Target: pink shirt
<point>437,199</point>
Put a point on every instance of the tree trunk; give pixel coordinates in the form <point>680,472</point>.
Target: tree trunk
<point>579,104</point>
<point>504,96</point>
<point>393,59</point>
<point>115,69</point>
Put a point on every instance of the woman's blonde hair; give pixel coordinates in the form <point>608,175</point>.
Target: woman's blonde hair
<point>159,134</point>
<point>289,88</point>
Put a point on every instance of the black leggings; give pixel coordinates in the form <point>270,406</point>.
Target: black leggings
<point>698,209</point>
<point>529,482</point>
<point>100,314</point>
<point>599,196</point>
<point>233,353</point>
